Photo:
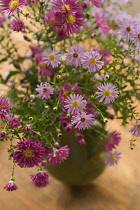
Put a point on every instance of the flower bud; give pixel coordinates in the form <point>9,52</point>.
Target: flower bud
<point>57,145</point>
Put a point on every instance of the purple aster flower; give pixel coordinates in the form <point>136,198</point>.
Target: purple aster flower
<point>42,68</point>
<point>108,93</point>
<point>128,28</point>
<point>13,122</point>
<point>112,158</point>
<point>97,3</point>
<point>28,153</point>
<point>35,49</point>
<point>75,103</point>
<point>59,155</point>
<point>17,25</point>
<point>26,128</point>
<point>80,138</point>
<point>82,120</point>
<point>11,186</point>
<point>4,107</point>
<point>136,37</point>
<point>73,56</point>
<point>40,179</point>
<point>91,61</point>
<point>45,90</point>
<point>11,6</point>
<point>62,33</point>
<point>135,130</point>
<point>51,57</point>
<point>3,134</point>
<point>84,4</point>
<point>50,19</point>
<point>112,140</point>
<point>71,6</point>
<point>102,23</point>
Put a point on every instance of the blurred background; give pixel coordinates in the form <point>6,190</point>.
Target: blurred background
<point>118,188</point>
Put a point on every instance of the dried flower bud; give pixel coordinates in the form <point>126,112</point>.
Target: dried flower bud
<point>57,145</point>
<point>105,120</point>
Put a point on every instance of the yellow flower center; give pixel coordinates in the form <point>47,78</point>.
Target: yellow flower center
<point>75,103</point>
<point>75,55</point>
<point>66,93</point>
<point>66,7</point>
<point>70,18</point>
<point>128,29</point>
<point>41,64</point>
<point>138,127</point>
<point>52,22</point>
<point>44,90</point>
<point>28,153</point>
<point>91,60</point>
<point>83,119</point>
<point>13,4</point>
<point>107,93</point>
<point>112,157</point>
<point>109,139</point>
<point>52,57</point>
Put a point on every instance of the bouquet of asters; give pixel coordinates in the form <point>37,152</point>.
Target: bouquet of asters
<point>78,67</point>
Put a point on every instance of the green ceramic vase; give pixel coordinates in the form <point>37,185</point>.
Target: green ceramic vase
<point>85,162</point>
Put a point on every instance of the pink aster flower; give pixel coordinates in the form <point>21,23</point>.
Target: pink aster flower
<point>4,107</point>
<point>128,28</point>
<point>91,61</point>
<point>136,37</point>
<point>75,103</point>
<point>112,158</point>
<point>82,120</point>
<point>135,130</point>
<point>28,153</point>
<point>40,179</point>
<point>11,6</point>
<point>108,93</point>
<point>11,186</point>
<point>73,56</point>
<point>45,90</point>
<point>102,23</point>
<point>80,138</point>
<point>26,128</point>
<point>35,49</point>
<point>67,6</point>
<point>13,122</point>
<point>17,25</point>
<point>42,68</point>
<point>51,57</point>
<point>50,19</point>
<point>112,140</point>
<point>62,33</point>
<point>97,3</point>
<point>59,155</point>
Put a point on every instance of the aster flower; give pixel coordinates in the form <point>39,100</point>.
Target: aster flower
<point>42,68</point>
<point>35,49</point>
<point>91,61</point>
<point>102,23</point>
<point>73,56</point>
<point>50,19</point>
<point>108,93</point>
<point>13,122</point>
<point>80,138</point>
<point>135,130</point>
<point>128,28</point>
<point>112,158</point>
<point>59,155</point>
<point>4,107</point>
<point>11,6</point>
<point>45,90</point>
<point>28,153</point>
<point>112,140</point>
<point>40,179</point>
<point>11,186</point>
<point>51,57</point>
<point>136,37</point>
<point>97,3</point>
<point>71,6</point>
<point>17,25</point>
<point>82,120</point>
<point>75,103</point>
